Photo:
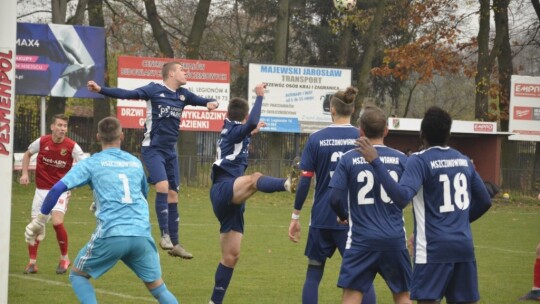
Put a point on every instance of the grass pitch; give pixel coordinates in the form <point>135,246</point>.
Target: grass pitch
<point>271,268</point>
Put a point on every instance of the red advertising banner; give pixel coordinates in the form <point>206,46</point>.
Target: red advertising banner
<point>210,79</point>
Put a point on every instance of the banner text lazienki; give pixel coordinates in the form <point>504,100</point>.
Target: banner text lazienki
<point>210,79</point>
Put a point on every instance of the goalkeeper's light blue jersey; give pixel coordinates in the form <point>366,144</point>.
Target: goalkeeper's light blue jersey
<point>119,185</point>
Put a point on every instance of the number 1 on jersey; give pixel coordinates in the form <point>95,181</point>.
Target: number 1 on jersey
<point>127,194</point>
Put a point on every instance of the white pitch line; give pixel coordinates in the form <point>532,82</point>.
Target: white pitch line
<point>504,250</point>
<point>101,291</point>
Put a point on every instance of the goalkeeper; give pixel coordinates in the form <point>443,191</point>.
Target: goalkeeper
<point>123,226</point>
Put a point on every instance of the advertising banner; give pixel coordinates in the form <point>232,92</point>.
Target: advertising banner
<point>8,23</point>
<point>58,60</point>
<point>297,98</point>
<point>209,79</point>
<point>524,114</point>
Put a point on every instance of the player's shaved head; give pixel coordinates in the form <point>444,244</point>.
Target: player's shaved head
<point>109,130</point>
<point>238,109</point>
<point>167,67</point>
<point>343,101</point>
<point>373,122</point>
<point>436,126</point>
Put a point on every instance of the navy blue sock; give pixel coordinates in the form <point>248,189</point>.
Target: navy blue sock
<point>370,297</point>
<point>310,293</point>
<point>270,184</point>
<point>162,212</point>
<point>174,221</point>
<point>222,280</point>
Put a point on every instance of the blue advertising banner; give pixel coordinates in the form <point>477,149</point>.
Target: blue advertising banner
<point>58,60</point>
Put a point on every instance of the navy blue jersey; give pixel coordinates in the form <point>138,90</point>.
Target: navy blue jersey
<point>442,177</point>
<point>233,144</point>
<point>164,108</point>
<point>321,154</point>
<point>375,222</point>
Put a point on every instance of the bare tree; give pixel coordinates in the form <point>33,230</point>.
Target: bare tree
<point>197,29</point>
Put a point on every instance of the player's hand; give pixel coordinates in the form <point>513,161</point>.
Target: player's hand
<point>294,231</point>
<point>212,105</point>
<point>260,125</point>
<point>259,89</point>
<point>93,86</point>
<point>24,179</point>
<point>36,229</point>
<point>344,222</point>
<point>366,148</point>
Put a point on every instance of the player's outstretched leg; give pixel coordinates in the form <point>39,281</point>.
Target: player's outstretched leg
<point>534,294</point>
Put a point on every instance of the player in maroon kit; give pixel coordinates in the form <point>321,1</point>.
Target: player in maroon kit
<point>56,154</point>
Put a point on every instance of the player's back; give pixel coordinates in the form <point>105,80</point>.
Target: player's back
<point>119,186</point>
<point>321,155</point>
<point>232,149</point>
<point>441,206</point>
<point>376,222</point>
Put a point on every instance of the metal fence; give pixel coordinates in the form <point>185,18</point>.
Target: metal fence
<point>517,176</point>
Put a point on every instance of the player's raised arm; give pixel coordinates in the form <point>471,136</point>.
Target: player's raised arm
<point>139,93</point>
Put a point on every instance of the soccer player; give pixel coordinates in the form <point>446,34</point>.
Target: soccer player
<point>534,293</point>
<point>376,239</point>
<point>165,103</point>
<point>320,158</point>
<point>448,194</point>
<point>55,155</point>
<point>231,188</point>
<point>123,233</point>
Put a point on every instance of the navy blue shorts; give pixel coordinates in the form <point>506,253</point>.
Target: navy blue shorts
<point>230,216</point>
<point>162,165</point>
<point>360,266</point>
<point>457,282</point>
<point>322,243</point>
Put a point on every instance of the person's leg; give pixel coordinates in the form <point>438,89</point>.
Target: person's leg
<point>62,238</point>
<point>154,162</point>
<point>230,253</point>
<point>402,298</point>
<point>174,217</point>
<point>314,274</point>
<point>159,290</point>
<point>351,296</point>
<point>162,208</point>
<point>534,293</point>
<point>80,282</point>
<point>31,267</point>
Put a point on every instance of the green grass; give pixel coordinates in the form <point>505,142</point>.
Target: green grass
<point>271,268</point>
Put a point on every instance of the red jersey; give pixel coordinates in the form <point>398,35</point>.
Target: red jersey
<point>54,160</point>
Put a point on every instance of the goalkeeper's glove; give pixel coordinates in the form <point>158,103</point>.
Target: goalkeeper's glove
<point>36,229</point>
